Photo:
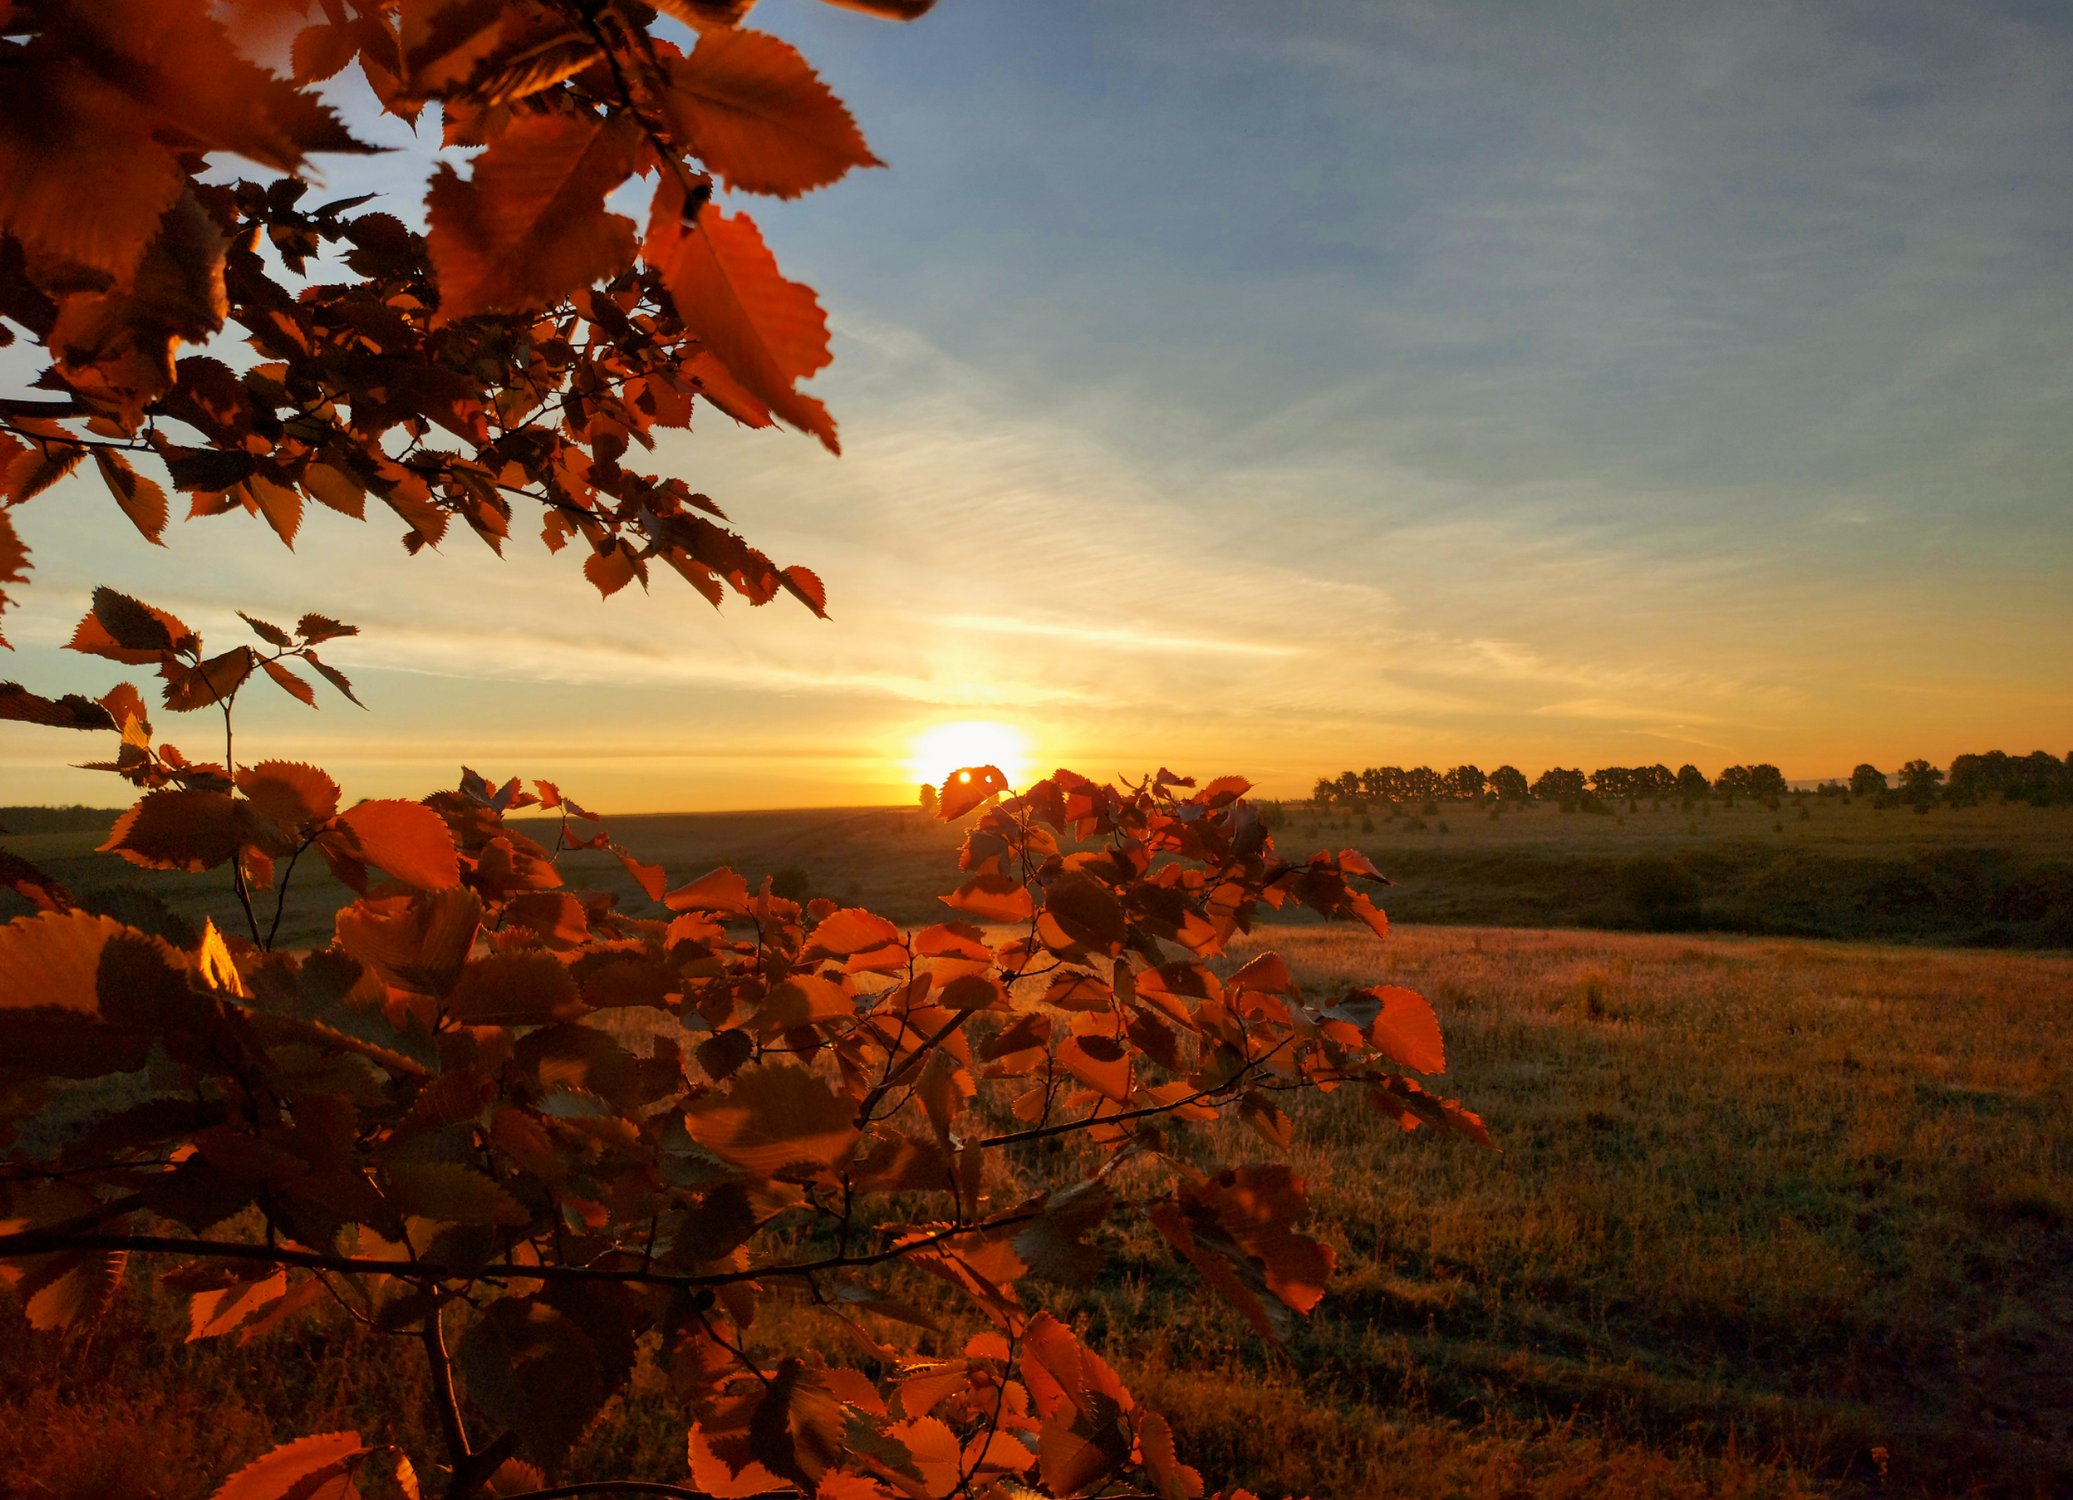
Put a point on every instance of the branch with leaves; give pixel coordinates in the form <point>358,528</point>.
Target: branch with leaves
<point>438,1121</point>
<point>436,1117</point>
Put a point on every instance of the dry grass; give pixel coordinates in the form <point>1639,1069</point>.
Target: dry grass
<point>1761,1201</point>
<point>1774,1218</point>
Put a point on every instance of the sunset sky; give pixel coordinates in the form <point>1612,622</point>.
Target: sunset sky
<point>1282,388</point>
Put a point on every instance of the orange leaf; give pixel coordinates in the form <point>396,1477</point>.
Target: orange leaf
<point>32,471</point>
<point>1407,1031</point>
<point>210,682</point>
<point>773,1117</point>
<point>1100,1062</point>
<point>52,959</point>
<point>289,683</point>
<point>993,898</point>
<point>850,930</point>
<point>294,795</point>
<point>802,1000</point>
<point>407,839</point>
<point>966,789</point>
<point>177,829</point>
<point>125,630</point>
<point>14,562</point>
<point>529,225</point>
<point>64,128</point>
<point>805,585</point>
<point>767,331</point>
<point>721,890</point>
<point>515,989</point>
<point>1086,911</point>
<point>650,878</point>
<point>760,117</point>
<point>294,1470</point>
<point>141,499</point>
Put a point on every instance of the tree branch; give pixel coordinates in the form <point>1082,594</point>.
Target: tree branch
<point>444,1402</point>
<point>39,1242</point>
<point>636,1487</point>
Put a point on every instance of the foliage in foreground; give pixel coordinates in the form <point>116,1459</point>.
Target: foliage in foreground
<point>431,1123</point>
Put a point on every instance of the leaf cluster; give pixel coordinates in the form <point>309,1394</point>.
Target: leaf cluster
<point>444,1123</point>
<point>544,1138</point>
<point>524,349</point>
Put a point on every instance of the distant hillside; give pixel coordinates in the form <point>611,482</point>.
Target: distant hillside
<point>58,819</point>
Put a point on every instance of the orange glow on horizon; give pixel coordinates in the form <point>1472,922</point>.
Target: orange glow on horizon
<point>945,748</point>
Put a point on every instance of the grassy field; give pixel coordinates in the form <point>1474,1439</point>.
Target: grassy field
<point>1984,876</point>
<point>1774,1218</point>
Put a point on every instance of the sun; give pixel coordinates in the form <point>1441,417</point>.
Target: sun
<point>945,748</point>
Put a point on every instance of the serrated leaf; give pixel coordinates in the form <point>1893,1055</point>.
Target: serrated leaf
<point>294,1470</point>
<point>71,1286</point>
<point>965,789</point>
<point>177,828</point>
<point>289,683</point>
<point>407,839</point>
<point>528,226</point>
<point>294,795</point>
<point>453,1194</point>
<point>316,629</point>
<point>769,332</point>
<point>141,499</point>
<point>773,1117</point>
<point>514,989</point>
<point>993,898</point>
<point>52,959</point>
<point>760,117</point>
<point>208,683</point>
<point>333,676</point>
<point>534,1372</point>
<point>69,712</point>
<point>273,635</point>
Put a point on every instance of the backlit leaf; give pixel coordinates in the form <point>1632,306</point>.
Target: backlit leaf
<point>720,890</point>
<point>69,712</point>
<point>760,117</point>
<point>770,333</point>
<point>52,958</point>
<point>294,795</point>
<point>993,898</point>
<point>773,1117</point>
<point>965,789</point>
<point>208,683</point>
<point>407,839</point>
<point>515,989</point>
<point>296,1470</point>
<point>177,829</point>
<point>1407,1032</point>
<point>141,498</point>
<point>289,683</point>
<point>126,630</point>
<point>528,226</point>
<point>847,931</point>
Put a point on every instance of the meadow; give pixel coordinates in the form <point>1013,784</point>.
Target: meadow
<point>1988,876</point>
<point>1773,1217</point>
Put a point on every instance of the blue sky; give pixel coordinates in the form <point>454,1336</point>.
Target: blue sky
<point>1280,388</point>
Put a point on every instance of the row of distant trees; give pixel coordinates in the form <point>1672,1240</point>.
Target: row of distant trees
<point>2038,778</point>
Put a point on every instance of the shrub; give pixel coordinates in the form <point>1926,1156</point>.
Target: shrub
<point>1662,893</point>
